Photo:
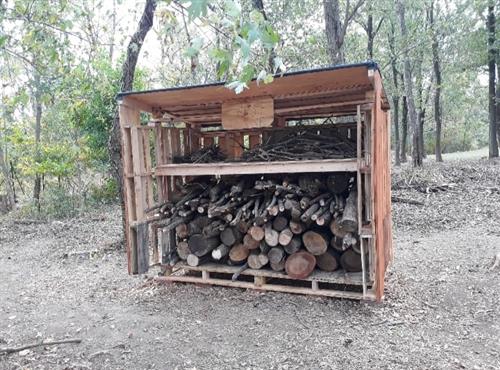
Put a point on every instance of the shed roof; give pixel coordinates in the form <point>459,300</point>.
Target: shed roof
<point>313,90</point>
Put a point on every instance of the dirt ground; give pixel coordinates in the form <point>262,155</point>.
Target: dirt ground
<point>65,279</point>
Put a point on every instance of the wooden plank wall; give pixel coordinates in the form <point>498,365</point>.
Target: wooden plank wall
<point>381,188</point>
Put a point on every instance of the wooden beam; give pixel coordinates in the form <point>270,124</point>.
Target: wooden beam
<point>247,168</point>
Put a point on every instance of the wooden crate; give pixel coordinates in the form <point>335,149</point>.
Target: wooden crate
<point>182,120</point>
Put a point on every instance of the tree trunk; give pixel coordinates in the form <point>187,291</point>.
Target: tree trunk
<point>333,30</point>
<point>8,180</point>
<point>437,89</point>
<point>498,96</point>
<point>259,5</point>
<point>370,35</point>
<point>395,97</point>
<point>420,106</point>
<point>126,84</point>
<point>412,114</point>
<point>404,131</point>
<point>37,188</point>
<point>493,141</point>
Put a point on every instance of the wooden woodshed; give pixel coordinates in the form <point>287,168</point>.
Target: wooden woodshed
<point>159,126</point>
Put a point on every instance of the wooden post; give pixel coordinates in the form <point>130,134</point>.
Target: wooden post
<point>130,118</point>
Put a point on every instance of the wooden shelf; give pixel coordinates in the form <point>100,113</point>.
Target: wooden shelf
<point>249,168</point>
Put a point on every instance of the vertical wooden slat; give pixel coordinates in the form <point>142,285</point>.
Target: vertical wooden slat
<point>129,117</point>
<point>148,169</point>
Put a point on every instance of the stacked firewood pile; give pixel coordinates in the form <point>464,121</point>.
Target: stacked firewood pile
<point>294,224</point>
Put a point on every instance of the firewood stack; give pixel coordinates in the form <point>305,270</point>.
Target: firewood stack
<point>293,224</point>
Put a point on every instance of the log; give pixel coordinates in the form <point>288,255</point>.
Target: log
<point>338,183</point>
<point>309,212</point>
<point>310,184</point>
<point>337,229</point>
<point>275,254</point>
<point>249,242</point>
<point>280,223</point>
<point>183,250</point>
<point>271,236</point>
<point>256,232</point>
<point>193,260</point>
<point>300,265</point>
<point>264,247</point>
<point>324,219</point>
<point>220,252</point>
<point>337,244</point>
<point>278,266</point>
<point>182,231</point>
<point>291,203</point>
<point>349,220</point>
<point>199,245</point>
<point>348,241</point>
<point>304,202</point>
<point>230,235</point>
<point>238,253</point>
<point>294,245</point>
<point>257,260</point>
<point>357,248</point>
<point>328,261</point>
<point>296,227</point>
<point>351,261</point>
<point>315,242</point>
<point>285,237</point>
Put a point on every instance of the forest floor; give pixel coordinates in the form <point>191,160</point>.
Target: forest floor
<point>64,279</point>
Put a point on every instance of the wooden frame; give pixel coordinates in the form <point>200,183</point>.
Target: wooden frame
<point>354,91</point>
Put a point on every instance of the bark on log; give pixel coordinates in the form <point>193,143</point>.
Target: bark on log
<point>315,242</point>
<point>349,220</point>
<point>238,253</point>
<point>200,245</point>
<point>300,265</point>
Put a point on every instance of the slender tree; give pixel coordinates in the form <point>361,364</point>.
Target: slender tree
<point>395,95</point>
<point>336,27</point>
<point>436,64</point>
<point>493,140</point>
<point>126,84</point>
<point>412,113</point>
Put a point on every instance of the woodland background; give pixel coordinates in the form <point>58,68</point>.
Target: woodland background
<point>62,63</point>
